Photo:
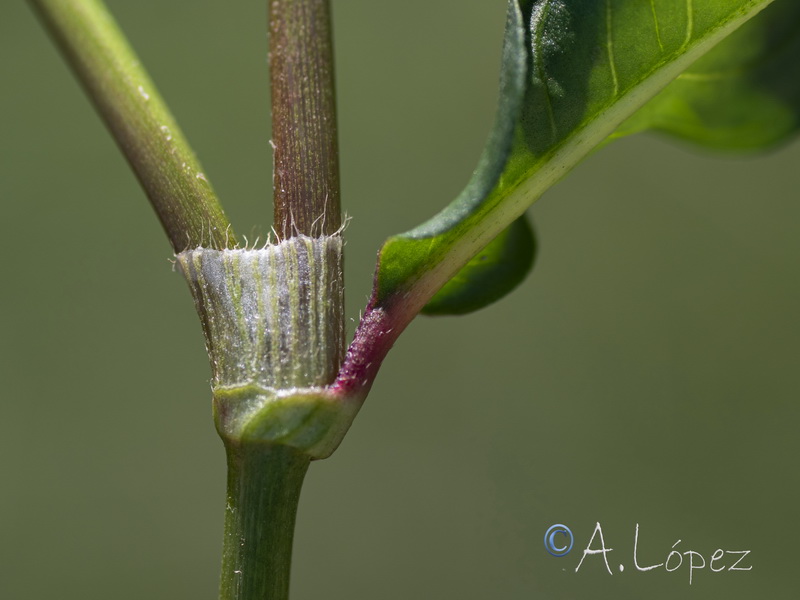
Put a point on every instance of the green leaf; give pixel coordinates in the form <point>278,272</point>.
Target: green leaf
<point>572,72</point>
<point>491,274</point>
<point>743,95</point>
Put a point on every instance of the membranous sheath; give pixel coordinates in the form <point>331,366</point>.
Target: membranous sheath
<point>274,331</point>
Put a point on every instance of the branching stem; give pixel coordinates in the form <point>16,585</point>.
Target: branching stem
<point>264,475</point>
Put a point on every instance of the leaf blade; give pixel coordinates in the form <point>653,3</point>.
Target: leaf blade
<point>577,108</point>
<point>491,274</point>
<point>744,95</point>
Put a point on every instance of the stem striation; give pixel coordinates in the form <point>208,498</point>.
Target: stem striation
<point>304,138</point>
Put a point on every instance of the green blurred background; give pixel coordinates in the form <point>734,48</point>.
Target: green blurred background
<point>647,373</point>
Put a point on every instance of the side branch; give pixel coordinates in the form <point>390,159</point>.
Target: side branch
<point>140,122</point>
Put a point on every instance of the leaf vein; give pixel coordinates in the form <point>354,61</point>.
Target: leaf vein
<point>655,22</point>
<point>541,71</point>
<point>689,23</point>
<point>610,51</point>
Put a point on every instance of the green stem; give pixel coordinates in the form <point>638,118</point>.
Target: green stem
<point>264,484</point>
<point>140,122</point>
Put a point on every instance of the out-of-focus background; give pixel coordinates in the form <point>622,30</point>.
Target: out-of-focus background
<point>646,374</point>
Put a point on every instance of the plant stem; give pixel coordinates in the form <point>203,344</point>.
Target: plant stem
<point>306,170</point>
<point>140,122</point>
<point>264,484</point>
<point>264,478</point>
<point>297,331</point>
